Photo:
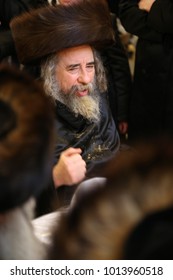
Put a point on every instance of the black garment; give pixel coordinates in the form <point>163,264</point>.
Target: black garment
<point>113,6</point>
<point>151,112</point>
<point>119,77</point>
<point>98,141</point>
<point>8,10</point>
<point>161,16</point>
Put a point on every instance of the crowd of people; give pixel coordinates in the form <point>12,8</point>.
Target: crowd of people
<point>68,101</point>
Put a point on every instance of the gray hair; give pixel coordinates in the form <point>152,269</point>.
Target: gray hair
<point>48,70</point>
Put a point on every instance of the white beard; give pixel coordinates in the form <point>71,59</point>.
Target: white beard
<point>87,106</point>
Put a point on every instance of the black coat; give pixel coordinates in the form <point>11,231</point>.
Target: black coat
<point>119,77</point>
<point>113,6</point>
<point>8,10</point>
<point>98,141</point>
<point>151,107</point>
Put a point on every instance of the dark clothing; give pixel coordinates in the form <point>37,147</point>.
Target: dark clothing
<point>119,78</point>
<point>152,238</point>
<point>8,10</point>
<point>161,16</point>
<point>113,6</point>
<point>98,141</point>
<point>6,43</point>
<point>151,104</point>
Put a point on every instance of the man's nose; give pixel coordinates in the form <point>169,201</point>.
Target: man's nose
<point>84,77</point>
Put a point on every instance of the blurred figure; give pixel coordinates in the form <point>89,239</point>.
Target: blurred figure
<point>8,10</point>
<point>130,217</point>
<point>26,140</point>
<point>74,78</point>
<point>119,80</point>
<point>151,103</point>
<point>113,6</point>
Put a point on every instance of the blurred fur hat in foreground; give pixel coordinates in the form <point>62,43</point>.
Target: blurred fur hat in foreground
<point>26,135</point>
<point>131,217</point>
<point>50,29</point>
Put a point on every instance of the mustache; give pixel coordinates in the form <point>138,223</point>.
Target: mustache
<point>77,88</point>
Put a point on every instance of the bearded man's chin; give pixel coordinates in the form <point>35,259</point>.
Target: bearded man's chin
<point>86,106</point>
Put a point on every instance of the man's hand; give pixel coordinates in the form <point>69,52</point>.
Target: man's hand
<point>70,169</point>
<point>145,4</point>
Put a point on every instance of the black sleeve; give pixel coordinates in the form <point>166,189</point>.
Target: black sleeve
<point>120,76</point>
<point>8,10</point>
<point>12,8</point>
<point>6,44</point>
<point>161,16</point>
<point>135,21</point>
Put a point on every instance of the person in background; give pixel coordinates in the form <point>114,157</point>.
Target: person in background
<point>8,10</point>
<point>74,78</point>
<point>164,8</point>
<point>26,152</point>
<point>130,217</point>
<point>119,80</point>
<point>150,113</point>
<point>113,6</point>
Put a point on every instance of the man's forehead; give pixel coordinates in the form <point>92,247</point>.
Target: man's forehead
<point>76,55</point>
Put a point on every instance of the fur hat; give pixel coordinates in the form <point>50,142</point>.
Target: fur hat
<point>26,133</point>
<point>50,29</point>
<point>130,217</point>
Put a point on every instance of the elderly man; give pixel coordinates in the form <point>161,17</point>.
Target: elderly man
<point>73,75</point>
<point>118,74</point>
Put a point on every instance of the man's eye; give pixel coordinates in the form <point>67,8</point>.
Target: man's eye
<point>73,69</point>
<point>90,67</point>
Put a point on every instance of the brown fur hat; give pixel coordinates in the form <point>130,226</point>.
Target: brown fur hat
<point>139,189</point>
<point>26,134</point>
<point>50,29</point>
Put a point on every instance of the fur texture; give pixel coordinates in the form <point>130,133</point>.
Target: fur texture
<point>50,29</point>
<point>26,135</point>
<point>139,183</point>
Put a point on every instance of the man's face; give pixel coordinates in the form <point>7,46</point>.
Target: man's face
<point>69,77</point>
<point>68,2</point>
<point>75,68</point>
